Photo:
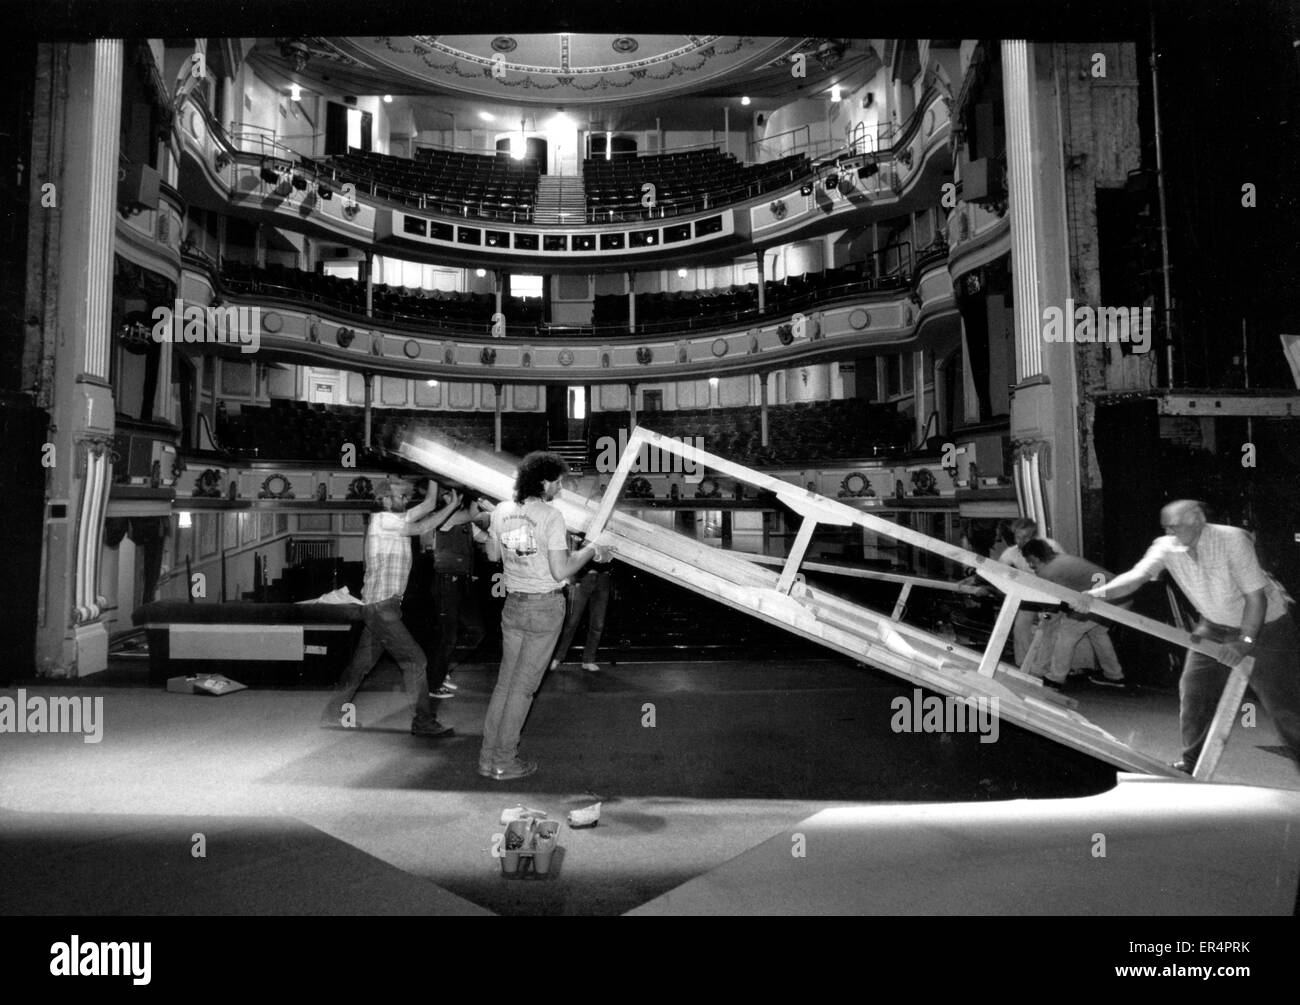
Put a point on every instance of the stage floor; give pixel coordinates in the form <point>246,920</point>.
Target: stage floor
<point>301,819</point>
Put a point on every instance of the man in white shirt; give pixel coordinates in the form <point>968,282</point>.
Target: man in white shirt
<point>1241,607</point>
<point>527,535</point>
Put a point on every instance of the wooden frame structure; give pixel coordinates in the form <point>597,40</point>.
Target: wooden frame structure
<point>783,598</point>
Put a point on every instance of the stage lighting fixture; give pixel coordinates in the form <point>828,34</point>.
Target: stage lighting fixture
<point>806,188</point>
<point>324,192</point>
<point>832,182</point>
<point>300,183</point>
<point>295,92</point>
<point>269,174</point>
<point>836,93</point>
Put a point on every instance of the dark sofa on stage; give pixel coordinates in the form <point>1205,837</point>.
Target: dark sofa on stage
<point>251,643</point>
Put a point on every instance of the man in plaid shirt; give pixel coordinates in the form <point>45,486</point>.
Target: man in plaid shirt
<point>388,565</point>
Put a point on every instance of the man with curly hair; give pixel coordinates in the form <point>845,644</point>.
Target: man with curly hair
<point>527,535</point>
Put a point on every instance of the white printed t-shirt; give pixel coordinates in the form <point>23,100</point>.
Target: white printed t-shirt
<point>525,534</point>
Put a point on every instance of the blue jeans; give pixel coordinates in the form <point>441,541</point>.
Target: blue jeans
<point>454,603</point>
<point>384,630</point>
<point>592,586</point>
<point>1275,681</point>
<point>530,624</point>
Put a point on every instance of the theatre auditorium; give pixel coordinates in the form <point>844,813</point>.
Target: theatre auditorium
<point>682,460</point>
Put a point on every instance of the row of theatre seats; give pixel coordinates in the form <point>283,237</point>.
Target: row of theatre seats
<point>684,182</point>
<point>706,308</point>
<point>808,431</point>
<point>486,185</point>
<point>296,430</point>
<point>391,303</point>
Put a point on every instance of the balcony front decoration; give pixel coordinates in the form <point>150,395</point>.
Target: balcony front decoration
<point>753,341</point>
<point>360,488</point>
<point>644,355</point>
<point>207,485</point>
<point>778,209</point>
<point>720,347</point>
<point>785,333</point>
<point>640,488</point>
<point>487,356</point>
<point>376,344</point>
<point>856,485</point>
<point>709,489</point>
<point>411,348</point>
<point>313,333</point>
<point>345,337</point>
<point>566,357</point>
<point>924,483</point>
<point>276,487</point>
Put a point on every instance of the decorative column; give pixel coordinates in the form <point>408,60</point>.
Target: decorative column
<point>368,266</point>
<point>367,380</point>
<point>631,408</point>
<point>1022,206</point>
<point>75,148</point>
<point>762,407</point>
<point>631,301</point>
<point>497,388</point>
<point>500,281</point>
<point>918,388</point>
<point>762,291</point>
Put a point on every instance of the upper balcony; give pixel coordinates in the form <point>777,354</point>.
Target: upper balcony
<point>849,188</point>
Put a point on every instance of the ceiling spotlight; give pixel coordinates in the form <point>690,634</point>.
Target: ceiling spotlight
<point>487,116</point>
<point>295,92</point>
<point>832,182</point>
<point>745,100</point>
<point>681,273</point>
<point>836,93</point>
<point>388,99</point>
<point>713,382</point>
<point>430,383</point>
<point>480,273</point>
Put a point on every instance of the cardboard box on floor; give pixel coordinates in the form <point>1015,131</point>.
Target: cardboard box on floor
<point>213,683</point>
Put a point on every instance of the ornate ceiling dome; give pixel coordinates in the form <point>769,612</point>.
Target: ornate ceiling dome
<point>546,69</point>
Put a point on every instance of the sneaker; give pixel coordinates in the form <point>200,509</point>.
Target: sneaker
<point>1182,766</point>
<point>442,692</point>
<point>447,685</point>
<point>591,667</point>
<point>1103,681</point>
<point>555,664</point>
<point>519,768</point>
<point>433,728</point>
<point>1055,685</point>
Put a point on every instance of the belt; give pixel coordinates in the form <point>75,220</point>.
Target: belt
<point>533,596</point>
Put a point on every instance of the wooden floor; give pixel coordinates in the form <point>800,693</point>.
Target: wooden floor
<point>301,819</point>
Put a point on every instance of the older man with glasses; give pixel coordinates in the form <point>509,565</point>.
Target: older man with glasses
<point>1240,607</point>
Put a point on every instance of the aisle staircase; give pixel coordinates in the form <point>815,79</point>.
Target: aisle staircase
<point>573,451</point>
<point>560,199</point>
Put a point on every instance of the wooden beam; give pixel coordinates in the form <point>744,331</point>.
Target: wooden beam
<point>1224,716</point>
<point>616,483</point>
<point>801,541</point>
<point>901,605</point>
<point>998,640</point>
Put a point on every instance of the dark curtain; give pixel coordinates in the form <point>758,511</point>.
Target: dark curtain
<point>971,293</point>
<point>336,129</point>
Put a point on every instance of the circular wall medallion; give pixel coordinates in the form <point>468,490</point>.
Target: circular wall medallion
<point>504,43</point>
<point>344,337</point>
<point>859,319</point>
<point>488,356</point>
<point>566,357</point>
<point>272,322</point>
<point>644,355</point>
<point>625,44</point>
<point>276,487</point>
<point>411,348</point>
<point>719,347</point>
